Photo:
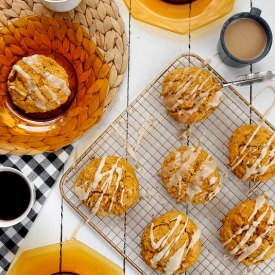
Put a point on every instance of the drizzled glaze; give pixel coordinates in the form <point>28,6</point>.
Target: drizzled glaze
<point>53,81</point>
<point>183,162</point>
<point>31,87</point>
<point>207,168</point>
<point>106,179</point>
<point>242,250</point>
<point>257,168</point>
<point>165,247</point>
<point>173,101</point>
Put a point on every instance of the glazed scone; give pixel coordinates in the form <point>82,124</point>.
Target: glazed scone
<point>191,94</point>
<point>107,185</point>
<point>171,243</point>
<point>248,231</point>
<point>37,84</point>
<point>252,153</point>
<point>191,175</point>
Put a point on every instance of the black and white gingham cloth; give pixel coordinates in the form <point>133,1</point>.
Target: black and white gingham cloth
<point>42,170</point>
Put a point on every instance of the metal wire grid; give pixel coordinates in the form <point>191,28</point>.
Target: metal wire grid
<point>160,138</point>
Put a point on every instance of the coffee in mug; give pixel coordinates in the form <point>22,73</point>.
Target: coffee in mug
<point>245,38</point>
<point>16,196</point>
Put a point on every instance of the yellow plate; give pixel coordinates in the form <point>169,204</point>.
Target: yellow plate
<point>175,17</point>
<point>71,47</point>
<point>77,259</point>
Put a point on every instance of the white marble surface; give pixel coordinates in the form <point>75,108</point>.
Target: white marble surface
<point>151,49</point>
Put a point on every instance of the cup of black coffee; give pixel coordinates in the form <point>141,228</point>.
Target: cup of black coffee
<point>245,38</point>
<point>16,196</point>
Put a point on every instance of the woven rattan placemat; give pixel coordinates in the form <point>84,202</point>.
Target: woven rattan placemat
<point>100,18</point>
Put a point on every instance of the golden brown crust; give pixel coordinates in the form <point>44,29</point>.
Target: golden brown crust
<point>191,183</point>
<point>163,225</point>
<point>199,97</point>
<point>49,97</point>
<point>238,140</point>
<point>122,193</point>
<point>236,219</point>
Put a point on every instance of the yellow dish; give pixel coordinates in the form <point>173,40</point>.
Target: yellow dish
<point>175,17</point>
<point>71,47</point>
<point>77,259</point>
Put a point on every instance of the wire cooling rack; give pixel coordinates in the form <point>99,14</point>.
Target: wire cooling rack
<point>145,127</point>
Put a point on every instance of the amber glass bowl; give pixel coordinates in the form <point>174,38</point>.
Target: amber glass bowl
<point>175,16</point>
<point>71,47</point>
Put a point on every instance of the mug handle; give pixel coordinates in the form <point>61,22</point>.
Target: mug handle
<point>256,12</point>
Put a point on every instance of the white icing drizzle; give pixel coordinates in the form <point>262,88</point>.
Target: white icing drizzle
<point>173,101</point>
<point>260,201</point>
<point>261,169</point>
<point>246,145</point>
<point>195,237</point>
<point>52,94</point>
<point>184,133</point>
<point>171,82</point>
<point>132,150</point>
<point>252,228</point>
<point>31,60</point>
<point>253,247</point>
<point>122,197</point>
<point>263,253</point>
<point>271,217</point>
<point>237,233</point>
<point>193,186</point>
<point>214,193</point>
<point>31,87</point>
<point>183,162</point>
<point>186,160</point>
<point>119,175</point>
<point>215,100</point>
<point>54,81</point>
<point>270,221</point>
<point>213,180</point>
<point>17,90</point>
<point>175,260</point>
<point>239,161</point>
<point>244,250</point>
<point>164,252</point>
<point>83,195</point>
<point>162,242</point>
<point>57,82</point>
<point>184,115</point>
<point>80,192</point>
<point>254,169</point>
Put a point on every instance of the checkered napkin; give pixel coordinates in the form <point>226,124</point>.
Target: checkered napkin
<point>42,170</point>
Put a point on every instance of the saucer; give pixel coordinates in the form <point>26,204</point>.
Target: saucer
<point>178,17</point>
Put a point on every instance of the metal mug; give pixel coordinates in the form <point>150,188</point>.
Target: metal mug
<point>232,60</point>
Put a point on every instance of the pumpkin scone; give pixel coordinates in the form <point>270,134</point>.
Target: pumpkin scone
<point>191,94</point>
<point>248,231</point>
<point>191,175</point>
<point>107,185</point>
<point>252,153</point>
<point>38,84</point>
<point>171,243</point>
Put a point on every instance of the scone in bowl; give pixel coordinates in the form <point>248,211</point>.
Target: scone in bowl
<point>88,73</point>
